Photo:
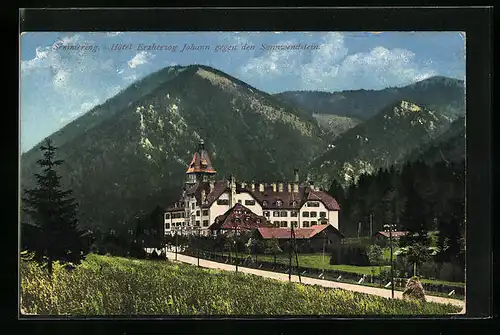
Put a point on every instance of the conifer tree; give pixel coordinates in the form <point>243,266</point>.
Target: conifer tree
<point>53,223</point>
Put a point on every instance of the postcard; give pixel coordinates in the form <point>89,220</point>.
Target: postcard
<point>233,173</point>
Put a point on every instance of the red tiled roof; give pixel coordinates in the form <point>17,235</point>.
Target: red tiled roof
<point>267,199</point>
<point>201,163</point>
<point>241,217</point>
<point>395,234</point>
<point>300,233</point>
<point>329,202</point>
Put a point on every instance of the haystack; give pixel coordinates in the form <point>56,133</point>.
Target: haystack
<point>414,290</point>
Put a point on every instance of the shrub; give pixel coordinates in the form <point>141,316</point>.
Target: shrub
<point>429,270</point>
<point>451,272</point>
<point>350,254</point>
<point>375,255</point>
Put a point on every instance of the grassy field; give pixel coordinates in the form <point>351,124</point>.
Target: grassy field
<point>117,286</point>
<point>317,261</point>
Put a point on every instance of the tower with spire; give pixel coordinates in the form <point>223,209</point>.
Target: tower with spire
<point>200,169</point>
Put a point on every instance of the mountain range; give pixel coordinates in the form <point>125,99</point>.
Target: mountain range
<point>441,94</point>
<point>129,154</point>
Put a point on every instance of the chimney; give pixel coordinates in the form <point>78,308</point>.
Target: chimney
<point>280,187</point>
<point>211,184</point>
<point>253,186</point>
<point>311,185</point>
<point>296,175</point>
<point>203,196</point>
<point>261,188</point>
<point>289,188</point>
<point>274,187</point>
<point>201,145</point>
<point>243,184</point>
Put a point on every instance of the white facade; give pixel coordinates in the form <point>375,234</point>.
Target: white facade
<point>312,212</point>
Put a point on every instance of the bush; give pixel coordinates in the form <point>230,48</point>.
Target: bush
<point>429,269</point>
<point>350,254</point>
<point>375,255</point>
<point>385,275</point>
<point>451,272</point>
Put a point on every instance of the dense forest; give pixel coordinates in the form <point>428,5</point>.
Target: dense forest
<point>418,198</point>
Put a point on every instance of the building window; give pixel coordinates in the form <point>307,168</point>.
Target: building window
<point>322,214</point>
<point>313,214</point>
<point>264,203</point>
<point>197,224</point>
<point>313,223</point>
<point>278,203</point>
<point>197,213</point>
<point>205,212</point>
<point>276,214</point>
<point>258,220</point>
<point>305,214</point>
<point>183,215</point>
<point>192,205</point>
<point>294,214</point>
<point>283,214</point>
<point>266,213</point>
<point>284,224</point>
<point>239,201</point>
<point>167,216</point>
<point>205,223</point>
<point>223,202</point>
<point>313,204</point>
<point>294,223</point>
<point>305,223</point>
<point>276,224</point>
<point>249,202</point>
<point>131,232</point>
<point>167,225</point>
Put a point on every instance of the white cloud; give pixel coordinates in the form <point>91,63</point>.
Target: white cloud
<point>332,68</point>
<point>381,67</point>
<point>274,63</point>
<point>140,58</point>
<point>113,33</point>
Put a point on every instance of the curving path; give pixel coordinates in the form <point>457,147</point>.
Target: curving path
<point>311,281</point>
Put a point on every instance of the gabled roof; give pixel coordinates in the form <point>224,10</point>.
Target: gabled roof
<point>300,233</point>
<point>239,217</point>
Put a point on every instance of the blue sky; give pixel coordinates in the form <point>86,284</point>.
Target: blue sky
<point>59,85</point>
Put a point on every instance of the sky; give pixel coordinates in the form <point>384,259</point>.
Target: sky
<point>63,75</point>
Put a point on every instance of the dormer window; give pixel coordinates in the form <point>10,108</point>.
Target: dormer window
<point>264,203</point>
<point>279,203</point>
<point>294,203</point>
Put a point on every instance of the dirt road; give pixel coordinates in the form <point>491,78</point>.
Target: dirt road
<point>312,281</point>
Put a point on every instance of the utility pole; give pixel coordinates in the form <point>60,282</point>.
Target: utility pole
<point>371,224</point>
<point>236,245</point>
<point>198,247</point>
<point>176,243</point>
<point>392,267</point>
<point>290,256</point>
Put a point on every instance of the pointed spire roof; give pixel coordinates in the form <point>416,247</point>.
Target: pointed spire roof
<point>201,161</point>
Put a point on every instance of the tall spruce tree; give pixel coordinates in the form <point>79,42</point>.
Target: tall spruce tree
<point>52,218</point>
